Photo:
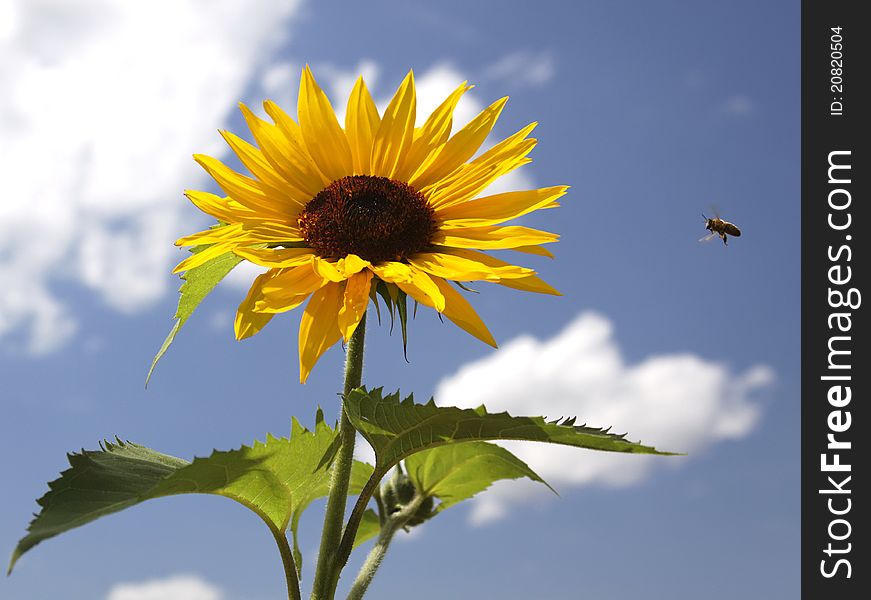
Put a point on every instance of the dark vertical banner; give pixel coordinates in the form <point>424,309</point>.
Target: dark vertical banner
<point>836,364</point>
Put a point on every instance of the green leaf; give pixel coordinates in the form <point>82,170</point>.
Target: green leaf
<point>456,472</point>
<point>198,283</point>
<point>397,429</point>
<point>277,480</point>
<point>369,528</point>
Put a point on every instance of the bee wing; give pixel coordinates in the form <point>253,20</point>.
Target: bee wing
<point>708,237</point>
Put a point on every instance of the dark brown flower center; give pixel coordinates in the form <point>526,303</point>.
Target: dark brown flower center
<point>376,218</point>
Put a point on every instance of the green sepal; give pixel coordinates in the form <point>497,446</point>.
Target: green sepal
<point>466,288</point>
<point>382,290</point>
<point>373,296</point>
<point>402,311</point>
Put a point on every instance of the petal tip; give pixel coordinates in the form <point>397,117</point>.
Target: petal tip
<point>241,333</point>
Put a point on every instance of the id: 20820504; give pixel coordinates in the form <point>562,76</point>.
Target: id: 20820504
<point>836,80</point>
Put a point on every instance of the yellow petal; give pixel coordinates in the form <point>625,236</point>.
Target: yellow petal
<point>393,271</point>
<point>530,283</point>
<point>464,265</point>
<point>242,189</point>
<point>288,288</point>
<point>291,135</point>
<point>413,282</point>
<point>327,269</point>
<point>493,210</point>
<point>324,138</point>
<point>272,231</point>
<point>202,257</point>
<point>458,310</point>
<point>432,134</point>
<point>286,154</point>
<point>243,234</point>
<point>361,123</point>
<point>536,250</point>
<point>340,270</point>
<point>248,322</point>
<point>223,209</point>
<point>272,183</point>
<point>318,329</point>
<point>351,264</point>
<point>213,235</point>
<point>355,300</point>
<point>459,148</point>
<point>396,130</point>
<point>494,237</point>
<point>472,178</point>
<point>276,257</point>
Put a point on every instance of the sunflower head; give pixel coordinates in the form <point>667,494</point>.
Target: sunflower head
<point>333,211</point>
<point>376,218</point>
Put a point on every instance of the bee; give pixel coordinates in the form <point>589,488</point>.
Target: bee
<point>718,226</point>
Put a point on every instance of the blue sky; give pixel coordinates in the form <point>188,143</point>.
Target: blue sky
<point>652,111</point>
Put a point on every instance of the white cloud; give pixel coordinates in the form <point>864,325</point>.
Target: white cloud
<point>103,103</point>
<point>221,321</point>
<point>524,68</point>
<point>434,85</point>
<point>363,451</point>
<point>678,402</point>
<point>178,587</point>
<point>738,105</point>
<point>242,276</point>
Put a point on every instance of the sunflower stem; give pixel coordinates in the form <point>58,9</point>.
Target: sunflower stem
<point>341,475</point>
<point>391,525</point>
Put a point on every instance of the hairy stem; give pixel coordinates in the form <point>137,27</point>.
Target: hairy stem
<point>341,474</point>
<point>392,524</point>
<point>289,565</point>
<point>346,545</point>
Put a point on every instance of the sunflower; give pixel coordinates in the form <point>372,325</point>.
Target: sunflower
<point>331,212</point>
